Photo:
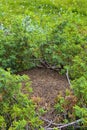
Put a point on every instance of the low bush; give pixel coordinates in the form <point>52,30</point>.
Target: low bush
<point>17,111</point>
<point>51,31</point>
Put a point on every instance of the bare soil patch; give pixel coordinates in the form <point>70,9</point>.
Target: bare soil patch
<point>46,86</point>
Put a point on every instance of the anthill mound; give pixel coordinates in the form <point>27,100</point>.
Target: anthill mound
<point>46,86</point>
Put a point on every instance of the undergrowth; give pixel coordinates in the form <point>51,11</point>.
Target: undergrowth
<point>51,31</point>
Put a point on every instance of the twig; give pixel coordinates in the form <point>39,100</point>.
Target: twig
<point>72,123</point>
<point>44,63</point>
<point>48,66</point>
<point>50,122</point>
<point>67,75</point>
<point>14,99</point>
<point>27,127</point>
<point>66,125</point>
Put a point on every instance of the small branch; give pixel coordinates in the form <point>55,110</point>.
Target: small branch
<point>15,99</point>
<point>27,127</point>
<point>48,66</point>
<point>67,75</point>
<point>44,63</point>
<point>66,125</point>
<point>72,123</point>
<point>50,122</point>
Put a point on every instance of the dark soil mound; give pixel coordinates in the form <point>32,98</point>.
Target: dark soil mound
<point>46,86</point>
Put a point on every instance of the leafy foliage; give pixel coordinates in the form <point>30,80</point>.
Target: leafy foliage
<point>16,110</point>
<point>52,30</point>
<point>64,106</point>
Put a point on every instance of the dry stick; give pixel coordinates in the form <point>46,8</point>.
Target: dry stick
<point>50,122</point>
<point>72,123</point>
<point>27,127</point>
<point>45,64</point>
<point>66,125</point>
<point>67,75</point>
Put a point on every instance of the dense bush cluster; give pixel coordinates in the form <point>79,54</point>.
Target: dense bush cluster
<point>53,31</point>
<point>17,111</point>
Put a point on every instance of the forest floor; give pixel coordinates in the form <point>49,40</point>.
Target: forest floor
<point>46,84</point>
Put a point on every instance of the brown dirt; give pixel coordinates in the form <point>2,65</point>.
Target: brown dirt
<point>46,86</point>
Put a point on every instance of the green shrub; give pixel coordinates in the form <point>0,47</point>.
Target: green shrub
<point>16,109</point>
<point>80,89</point>
<point>54,31</point>
<point>15,48</point>
<point>56,37</point>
